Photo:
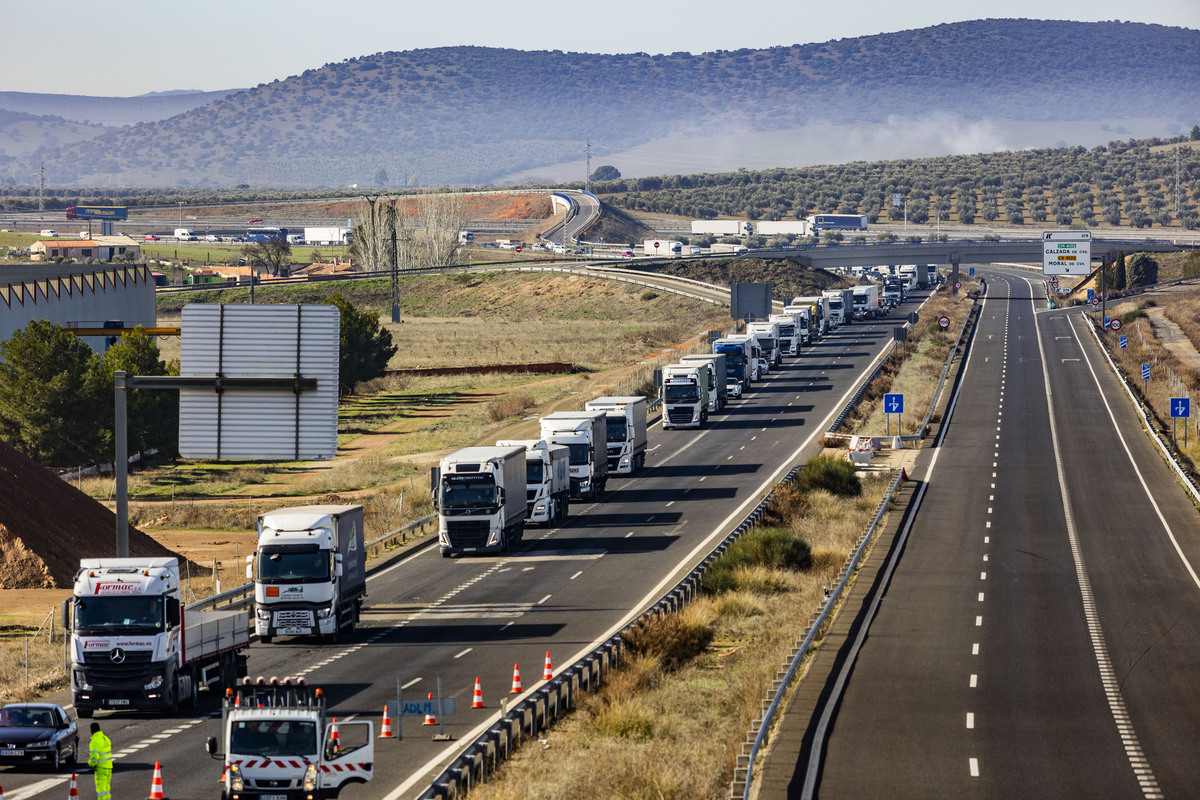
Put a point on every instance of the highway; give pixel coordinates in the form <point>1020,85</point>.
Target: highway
<point>565,589</point>
<point>1039,634</point>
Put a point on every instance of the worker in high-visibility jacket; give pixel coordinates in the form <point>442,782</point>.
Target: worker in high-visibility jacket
<point>100,760</point>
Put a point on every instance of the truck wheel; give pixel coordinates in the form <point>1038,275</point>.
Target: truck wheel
<point>193,699</point>
<point>265,638</point>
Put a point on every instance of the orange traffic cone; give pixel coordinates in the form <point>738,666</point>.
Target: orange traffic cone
<point>476,702</point>
<point>333,737</point>
<point>385,732</point>
<point>73,794</point>
<point>548,671</point>
<point>222,778</point>
<point>156,786</point>
<point>516,686</point>
<point>430,719</point>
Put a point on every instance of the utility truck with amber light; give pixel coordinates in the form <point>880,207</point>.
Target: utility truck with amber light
<point>134,646</point>
<point>309,571</point>
<point>277,743</point>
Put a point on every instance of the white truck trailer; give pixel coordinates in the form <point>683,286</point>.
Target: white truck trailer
<point>797,227</point>
<point>820,303</point>
<point>309,571</point>
<point>547,479</point>
<point>277,743</point>
<point>721,227</point>
<point>480,497</point>
<point>133,644</point>
<point>767,334</point>
<point>718,389</point>
<point>625,418</point>
<point>585,434</point>
<point>684,396</point>
<point>805,316</point>
<point>328,237</point>
<point>866,301</point>
<point>662,247</point>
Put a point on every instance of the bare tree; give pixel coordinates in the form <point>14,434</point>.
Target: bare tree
<point>440,218</point>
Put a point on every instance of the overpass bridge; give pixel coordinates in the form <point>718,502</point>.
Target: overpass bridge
<point>949,253</point>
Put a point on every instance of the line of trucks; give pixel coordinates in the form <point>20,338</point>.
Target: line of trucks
<point>485,495</point>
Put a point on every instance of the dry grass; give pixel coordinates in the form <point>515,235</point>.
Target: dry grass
<point>661,730</point>
<point>30,666</point>
<point>509,407</point>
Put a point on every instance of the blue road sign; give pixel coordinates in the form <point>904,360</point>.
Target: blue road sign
<point>1180,407</point>
<point>420,708</point>
<point>893,404</point>
<point>1107,322</point>
<point>971,271</point>
<point>1145,372</point>
<point>1123,340</point>
<point>1091,293</point>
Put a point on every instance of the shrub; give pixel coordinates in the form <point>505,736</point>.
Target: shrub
<point>673,639</point>
<point>647,294</point>
<point>776,548</point>
<point>828,472</point>
<point>508,406</point>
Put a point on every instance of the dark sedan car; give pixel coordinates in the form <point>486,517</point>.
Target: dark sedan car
<point>37,733</point>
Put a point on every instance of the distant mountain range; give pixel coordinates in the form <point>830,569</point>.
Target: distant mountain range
<point>472,115</point>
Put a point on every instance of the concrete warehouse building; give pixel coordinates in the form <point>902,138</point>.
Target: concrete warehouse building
<point>101,248</point>
<point>78,296</point>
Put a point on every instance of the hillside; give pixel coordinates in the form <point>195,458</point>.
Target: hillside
<point>468,115</point>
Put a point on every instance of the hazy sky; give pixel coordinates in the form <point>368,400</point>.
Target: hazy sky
<point>130,47</point>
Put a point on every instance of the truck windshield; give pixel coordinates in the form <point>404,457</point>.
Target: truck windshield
<point>130,614</point>
<point>293,563</point>
<point>787,331</point>
<point>468,491</point>
<point>534,471</point>
<point>681,393</point>
<point>581,455</point>
<point>273,737</point>
<point>766,343</point>
<point>617,429</point>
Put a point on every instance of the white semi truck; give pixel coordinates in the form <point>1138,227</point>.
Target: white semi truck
<point>684,396</point>
<point>661,247</point>
<point>585,434</point>
<point>718,390</point>
<point>547,479</point>
<point>277,743</point>
<point>309,571</point>
<point>767,334</point>
<point>866,301</point>
<point>789,336</point>
<point>841,302</point>
<point>479,494</point>
<point>133,644</point>
<point>820,304</point>
<point>625,418</point>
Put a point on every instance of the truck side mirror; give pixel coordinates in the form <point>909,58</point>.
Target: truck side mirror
<point>435,480</point>
<point>250,567</point>
<point>210,745</point>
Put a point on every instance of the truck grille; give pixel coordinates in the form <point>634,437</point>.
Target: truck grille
<point>679,414</point>
<point>102,669</point>
<point>467,532</point>
<point>293,618</point>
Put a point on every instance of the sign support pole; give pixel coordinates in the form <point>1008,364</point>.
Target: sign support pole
<point>122,464</point>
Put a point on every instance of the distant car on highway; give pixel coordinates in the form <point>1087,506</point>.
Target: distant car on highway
<point>37,733</point>
<point>149,237</point>
<point>212,237</point>
<point>627,254</point>
<point>254,221</point>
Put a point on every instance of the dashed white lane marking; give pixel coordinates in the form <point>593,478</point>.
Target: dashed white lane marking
<point>970,720</point>
<point>668,505</point>
<point>629,534</point>
<point>985,556</point>
<point>577,574</point>
<point>974,767</point>
<point>981,597</point>
<point>983,576</point>
<point>974,681</point>
<point>975,649</point>
<point>415,681</point>
<point>464,652</point>
<point>979,622</point>
<point>987,540</point>
<point>544,599</point>
<point>507,625</point>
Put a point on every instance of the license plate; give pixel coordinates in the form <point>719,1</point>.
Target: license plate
<point>12,752</point>
<point>272,797</point>
<point>289,632</point>
<point>117,702</point>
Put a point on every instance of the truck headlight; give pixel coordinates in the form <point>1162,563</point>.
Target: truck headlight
<point>540,507</point>
<point>81,682</point>
<point>310,778</point>
<point>323,613</point>
<point>263,613</point>
<point>235,778</point>
<point>156,681</point>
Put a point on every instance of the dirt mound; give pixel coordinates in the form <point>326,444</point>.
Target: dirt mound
<point>47,525</point>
